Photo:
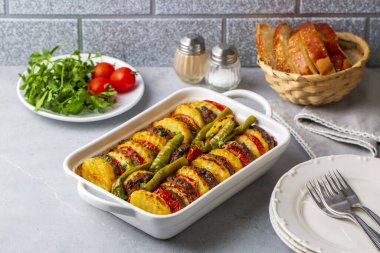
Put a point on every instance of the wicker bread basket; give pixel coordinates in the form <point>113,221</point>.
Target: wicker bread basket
<point>318,89</point>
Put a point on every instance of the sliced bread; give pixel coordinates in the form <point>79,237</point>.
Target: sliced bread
<point>264,43</point>
<point>298,55</point>
<point>316,49</point>
<point>335,53</point>
<point>280,47</point>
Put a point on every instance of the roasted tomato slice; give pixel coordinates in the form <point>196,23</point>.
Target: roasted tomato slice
<point>238,152</point>
<point>149,145</point>
<point>257,142</point>
<point>193,153</point>
<point>219,106</point>
<point>136,158</point>
<point>174,203</point>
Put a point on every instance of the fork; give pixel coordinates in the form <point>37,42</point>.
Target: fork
<point>337,204</point>
<point>351,196</point>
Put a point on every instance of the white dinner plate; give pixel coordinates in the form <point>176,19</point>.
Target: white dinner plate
<point>285,238</point>
<point>124,102</point>
<point>299,217</point>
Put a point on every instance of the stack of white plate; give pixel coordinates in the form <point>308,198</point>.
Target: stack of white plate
<point>303,227</point>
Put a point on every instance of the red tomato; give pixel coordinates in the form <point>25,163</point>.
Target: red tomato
<point>123,80</point>
<point>97,84</point>
<point>219,106</point>
<point>193,153</point>
<point>103,69</point>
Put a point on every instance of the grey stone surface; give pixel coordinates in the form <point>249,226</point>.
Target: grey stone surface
<point>42,212</point>
<point>145,42</point>
<point>79,7</point>
<point>340,6</point>
<point>241,32</point>
<point>20,37</point>
<point>374,41</point>
<point>2,7</point>
<point>224,6</point>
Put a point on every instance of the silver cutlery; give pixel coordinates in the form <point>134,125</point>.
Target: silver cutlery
<point>334,201</point>
<point>351,196</point>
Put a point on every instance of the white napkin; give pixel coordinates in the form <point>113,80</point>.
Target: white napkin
<point>351,126</point>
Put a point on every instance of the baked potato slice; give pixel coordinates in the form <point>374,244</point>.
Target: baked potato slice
<point>234,161</point>
<point>249,144</point>
<point>124,160</point>
<point>149,202</point>
<point>190,111</point>
<point>218,125</point>
<point>200,183</point>
<point>140,149</point>
<point>151,137</point>
<point>175,126</point>
<point>259,136</point>
<point>220,172</point>
<point>98,171</point>
<point>198,104</point>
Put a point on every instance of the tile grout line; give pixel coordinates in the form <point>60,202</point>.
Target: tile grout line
<point>153,7</point>
<point>80,34</point>
<point>224,31</point>
<point>6,7</point>
<point>297,8</point>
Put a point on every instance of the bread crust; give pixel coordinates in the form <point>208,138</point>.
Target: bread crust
<point>296,56</point>
<point>316,49</point>
<point>264,43</point>
<point>280,47</point>
<point>330,40</point>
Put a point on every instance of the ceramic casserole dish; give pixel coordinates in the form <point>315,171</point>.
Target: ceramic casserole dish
<point>166,226</point>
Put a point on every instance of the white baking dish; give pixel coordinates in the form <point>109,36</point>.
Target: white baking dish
<point>166,226</point>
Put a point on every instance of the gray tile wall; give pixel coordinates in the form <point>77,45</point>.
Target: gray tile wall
<point>145,32</point>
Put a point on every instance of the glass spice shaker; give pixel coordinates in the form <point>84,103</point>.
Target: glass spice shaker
<point>223,69</point>
<point>190,60</point>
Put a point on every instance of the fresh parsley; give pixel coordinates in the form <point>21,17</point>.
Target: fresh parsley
<point>61,85</point>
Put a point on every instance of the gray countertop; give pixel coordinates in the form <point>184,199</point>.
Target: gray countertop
<point>42,212</point>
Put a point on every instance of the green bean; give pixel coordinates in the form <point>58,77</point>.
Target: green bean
<point>202,133</point>
<point>240,129</point>
<point>218,139</point>
<point>164,173</point>
<point>163,156</point>
<point>118,186</point>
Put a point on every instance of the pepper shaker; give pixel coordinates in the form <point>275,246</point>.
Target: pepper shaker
<point>190,60</point>
<point>223,69</point>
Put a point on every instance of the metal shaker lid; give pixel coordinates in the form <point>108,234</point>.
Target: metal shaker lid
<point>192,44</point>
<point>224,54</point>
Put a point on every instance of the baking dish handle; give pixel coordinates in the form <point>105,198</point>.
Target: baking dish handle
<point>101,203</point>
<point>253,96</point>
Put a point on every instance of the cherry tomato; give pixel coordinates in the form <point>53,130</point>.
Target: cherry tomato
<point>103,69</point>
<point>123,80</point>
<point>97,84</point>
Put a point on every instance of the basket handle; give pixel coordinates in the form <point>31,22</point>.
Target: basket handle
<point>101,203</point>
<point>253,96</point>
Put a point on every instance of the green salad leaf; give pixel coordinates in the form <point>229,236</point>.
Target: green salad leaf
<point>62,85</point>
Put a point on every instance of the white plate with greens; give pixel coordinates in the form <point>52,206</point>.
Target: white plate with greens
<point>124,101</point>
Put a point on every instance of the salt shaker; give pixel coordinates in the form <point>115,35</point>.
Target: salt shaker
<point>190,60</point>
<point>224,68</point>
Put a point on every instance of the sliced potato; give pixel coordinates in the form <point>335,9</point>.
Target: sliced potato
<point>149,202</point>
<point>182,195</point>
<point>98,171</point>
<point>220,172</point>
<point>231,158</point>
<point>259,136</point>
<point>124,160</point>
<point>175,126</point>
<point>190,111</point>
<point>249,144</point>
<point>201,184</point>
<point>218,125</point>
<point>151,137</point>
<point>140,149</point>
<point>213,108</point>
